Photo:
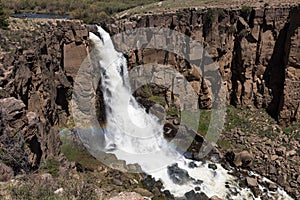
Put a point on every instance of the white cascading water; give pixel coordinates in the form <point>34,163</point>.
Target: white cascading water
<point>137,137</point>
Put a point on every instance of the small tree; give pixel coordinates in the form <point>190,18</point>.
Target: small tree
<point>3,17</point>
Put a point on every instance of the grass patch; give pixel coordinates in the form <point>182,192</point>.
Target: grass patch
<point>172,111</point>
<point>210,16</point>
<point>74,153</point>
<point>199,121</point>
<point>293,131</point>
<point>225,144</point>
<point>50,166</point>
<point>158,99</point>
<point>32,191</point>
<point>3,17</point>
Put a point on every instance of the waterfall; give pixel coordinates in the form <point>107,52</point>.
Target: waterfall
<point>136,136</point>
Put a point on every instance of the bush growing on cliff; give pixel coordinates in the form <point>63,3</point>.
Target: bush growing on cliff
<point>245,11</point>
<point>3,18</point>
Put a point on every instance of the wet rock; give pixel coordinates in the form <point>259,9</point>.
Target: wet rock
<point>198,182</point>
<point>212,166</point>
<point>188,155</point>
<point>177,175</point>
<point>192,165</point>
<point>256,191</point>
<point>158,111</point>
<point>191,195</point>
<point>169,130</point>
<point>272,186</point>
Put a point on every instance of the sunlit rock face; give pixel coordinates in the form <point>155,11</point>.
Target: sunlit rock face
<point>257,51</point>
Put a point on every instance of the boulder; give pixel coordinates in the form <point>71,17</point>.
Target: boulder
<point>6,173</point>
<point>243,159</point>
<point>251,182</point>
<point>177,175</point>
<point>127,195</point>
<point>192,195</point>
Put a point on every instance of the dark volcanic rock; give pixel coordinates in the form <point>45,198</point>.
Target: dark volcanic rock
<point>191,195</point>
<point>177,175</point>
<point>36,86</point>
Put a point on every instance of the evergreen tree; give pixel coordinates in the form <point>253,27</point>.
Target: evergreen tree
<point>3,18</point>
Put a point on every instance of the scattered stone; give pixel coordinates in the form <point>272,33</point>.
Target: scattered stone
<point>281,151</point>
<point>251,182</point>
<point>176,122</point>
<point>58,191</point>
<point>116,182</point>
<point>291,153</point>
<point>298,179</point>
<point>143,192</point>
<point>46,177</point>
<point>127,196</point>
<point>212,166</point>
<point>274,157</point>
<point>215,198</point>
<point>243,159</point>
<point>272,186</point>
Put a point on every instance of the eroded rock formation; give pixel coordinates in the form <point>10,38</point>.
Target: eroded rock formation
<point>39,60</point>
<point>257,50</point>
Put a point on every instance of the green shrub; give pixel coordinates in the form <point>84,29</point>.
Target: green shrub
<point>77,154</point>
<point>210,16</point>
<point>245,11</point>
<point>90,11</point>
<point>3,18</point>
<point>50,166</point>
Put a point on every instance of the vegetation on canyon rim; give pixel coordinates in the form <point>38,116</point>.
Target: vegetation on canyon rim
<point>90,11</point>
<point>3,17</point>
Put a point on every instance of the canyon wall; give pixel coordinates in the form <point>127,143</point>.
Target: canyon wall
<point>256,49</point>
<point>39,61</point>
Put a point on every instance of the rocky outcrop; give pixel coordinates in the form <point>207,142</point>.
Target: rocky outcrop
<point>39,60</point>
<point>256,49</point>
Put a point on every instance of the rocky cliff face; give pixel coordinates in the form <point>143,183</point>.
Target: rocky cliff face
<point>257,50</point>
<point>39,59</point>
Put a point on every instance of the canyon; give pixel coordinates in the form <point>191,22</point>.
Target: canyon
<point>256,49</point>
